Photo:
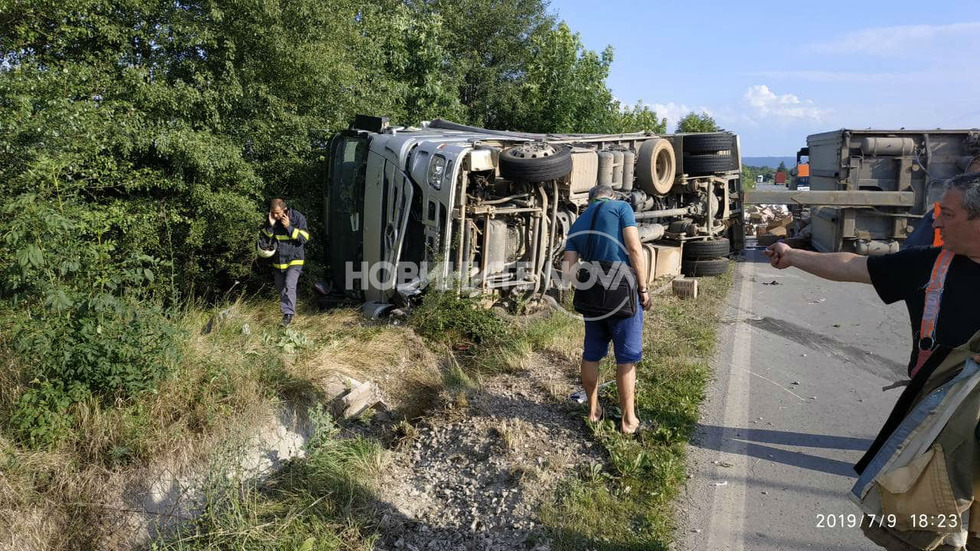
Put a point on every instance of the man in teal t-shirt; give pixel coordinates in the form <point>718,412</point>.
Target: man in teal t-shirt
<point>614,238</point>
<point>608,242</point>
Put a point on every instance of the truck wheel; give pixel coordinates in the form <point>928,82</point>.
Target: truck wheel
<point>702,267</point>
<point>700,165</point>
<point>713,248</point>
<point>656,166</point>
<point>708,143</point>
<point>535,162</point>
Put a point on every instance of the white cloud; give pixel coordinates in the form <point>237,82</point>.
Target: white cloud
<point>764,103</point>
<point>904,39</point>
<point>674,112</point>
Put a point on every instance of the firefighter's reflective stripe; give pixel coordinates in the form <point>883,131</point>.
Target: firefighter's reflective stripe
<point>295,236</point>
<point>930,309</point>
<point>937,238</point>
<point>266,232</point>
<point>284,266</point>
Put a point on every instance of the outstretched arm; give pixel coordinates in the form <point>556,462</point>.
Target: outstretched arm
<point>832,266</point>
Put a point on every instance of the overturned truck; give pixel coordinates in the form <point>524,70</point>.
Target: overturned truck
<point>869,189</point>
<point>487,211</point>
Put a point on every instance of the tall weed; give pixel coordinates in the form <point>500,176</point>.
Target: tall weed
<point>84,322</point>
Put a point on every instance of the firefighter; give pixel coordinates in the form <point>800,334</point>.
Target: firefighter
<point>288,228</point>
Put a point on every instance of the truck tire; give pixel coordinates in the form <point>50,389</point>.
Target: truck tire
<point>656,166</point>
<point>708,143</point>
<point>702,267</point>
<point>713,248</point>
<point>701,165</point>
<point>535,162</point>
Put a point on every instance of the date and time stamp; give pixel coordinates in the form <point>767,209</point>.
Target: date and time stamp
<point>917,522</point>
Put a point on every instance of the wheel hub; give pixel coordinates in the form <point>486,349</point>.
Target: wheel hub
<point>532,150</point>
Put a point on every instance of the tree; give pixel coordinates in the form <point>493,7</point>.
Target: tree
<point>697,123</point>
<point>490,45</point>
<point>564,89</point>
<point>748,177</point>
<point>782,167</point>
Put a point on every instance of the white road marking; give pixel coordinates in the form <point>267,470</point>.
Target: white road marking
<point>726,530</point>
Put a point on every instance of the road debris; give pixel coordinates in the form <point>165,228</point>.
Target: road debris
<point>685,288</point>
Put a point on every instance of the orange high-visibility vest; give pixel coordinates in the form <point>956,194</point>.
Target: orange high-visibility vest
<point>937,238</point>
<point>926,337</point>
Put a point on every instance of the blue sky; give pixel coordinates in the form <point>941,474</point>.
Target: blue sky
<point>775,72</point>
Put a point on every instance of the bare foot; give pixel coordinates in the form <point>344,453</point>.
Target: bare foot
<point>629,428</point>
<point>598,415</point>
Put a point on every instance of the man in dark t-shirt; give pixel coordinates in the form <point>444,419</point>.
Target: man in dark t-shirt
<point>904,275</point>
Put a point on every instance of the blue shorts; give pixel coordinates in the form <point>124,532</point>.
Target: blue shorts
<point>625,333</point>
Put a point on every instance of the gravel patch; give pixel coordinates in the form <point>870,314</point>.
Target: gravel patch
<point>473,477</point>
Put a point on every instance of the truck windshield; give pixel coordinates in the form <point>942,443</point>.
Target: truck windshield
<point>344,202</point>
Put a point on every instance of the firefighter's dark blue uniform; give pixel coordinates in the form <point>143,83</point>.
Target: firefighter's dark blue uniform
<point>287,263</point>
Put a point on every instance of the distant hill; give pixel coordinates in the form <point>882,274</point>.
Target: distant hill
<point>771,162</point>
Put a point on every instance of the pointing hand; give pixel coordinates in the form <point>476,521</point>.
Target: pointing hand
<point>778,254</point>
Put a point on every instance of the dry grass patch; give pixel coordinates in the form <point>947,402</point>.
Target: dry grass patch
<point>393,357</point>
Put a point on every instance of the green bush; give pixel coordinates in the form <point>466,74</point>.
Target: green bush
<point>109,348</point>
<point>42,415</point>
<point>446,318</point>
<point>84,319</point>
<point>114,348</point>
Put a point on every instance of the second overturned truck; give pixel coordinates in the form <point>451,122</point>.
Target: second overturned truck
<point>488,211</point>
<point>869,189</point>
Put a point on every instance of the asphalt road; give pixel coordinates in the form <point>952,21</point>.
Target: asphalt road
<point>795,400</point>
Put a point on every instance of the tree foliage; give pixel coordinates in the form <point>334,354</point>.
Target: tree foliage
<point>490,45</point>
<point>564,89</point>
<point>638,118</point>
<point>694,122</point>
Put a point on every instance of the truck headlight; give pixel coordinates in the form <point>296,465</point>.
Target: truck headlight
<point>436,169</point>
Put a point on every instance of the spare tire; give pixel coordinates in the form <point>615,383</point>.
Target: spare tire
<point>535,162</point>
<point>656,166</point>
<point>701,165</point>
<point>708,143</point>
<point>700,267</point>
<point>713,248</point>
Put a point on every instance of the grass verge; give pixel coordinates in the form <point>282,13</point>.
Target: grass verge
<point>239,368</point>
<point>627,504</point>
<point>321,501</point>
